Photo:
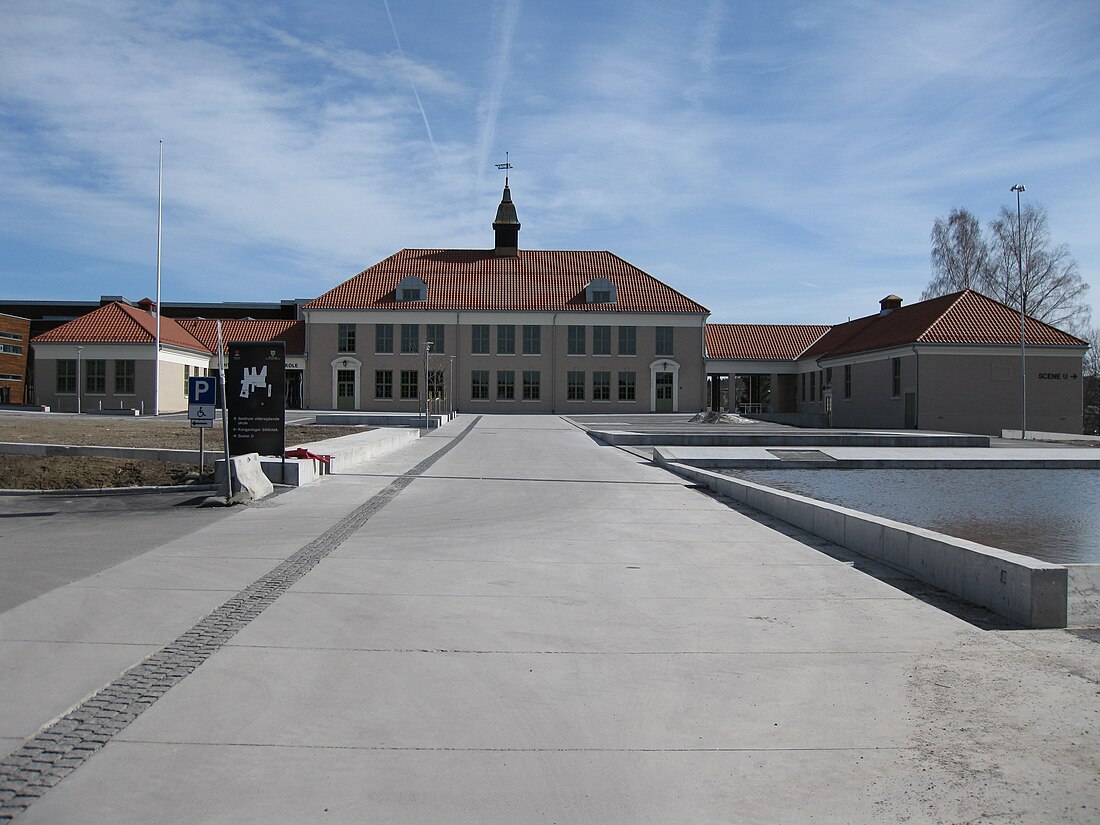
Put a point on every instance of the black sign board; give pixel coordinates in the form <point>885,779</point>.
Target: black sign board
<point>254,386</point>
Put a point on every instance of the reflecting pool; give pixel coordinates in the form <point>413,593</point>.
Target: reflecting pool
<point>1053,515</point>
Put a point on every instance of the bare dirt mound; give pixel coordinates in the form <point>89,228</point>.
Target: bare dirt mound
<point>83,472</point>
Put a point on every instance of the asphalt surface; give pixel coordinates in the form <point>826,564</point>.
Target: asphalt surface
<point>50,540</point>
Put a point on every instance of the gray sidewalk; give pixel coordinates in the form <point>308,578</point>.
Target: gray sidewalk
<point>539,629</point>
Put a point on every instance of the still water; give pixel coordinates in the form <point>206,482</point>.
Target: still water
<point>1053,515</point>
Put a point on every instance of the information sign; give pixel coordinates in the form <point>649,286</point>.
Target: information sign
<point>254,390</point>
<point>201,399</point>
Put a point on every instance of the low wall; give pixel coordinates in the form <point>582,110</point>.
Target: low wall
<point>792,438</point>
<point>792,419</point>
<point>1028,591</point>
<point>345,452</point>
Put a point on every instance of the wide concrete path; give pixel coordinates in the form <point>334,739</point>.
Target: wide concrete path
<point>541,629</point>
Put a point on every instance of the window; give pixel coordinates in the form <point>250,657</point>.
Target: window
<point>11,336</point>
<point>628,341</point>
<point>410,384</point>
<point>813,386</point>
<point>664,341</point>
<point>626,385</point>
<point>479,384</point>
<point>828,379</point>
<point>410,337</point>
<point>600,291</point>
<point>433,334</point>
<point>66,376</point>
<point>847,380</point>
<point>11,349</point>
<point>479,341</point>
<point>601,340</point>
<point>601,386</point>
<point>803,387</point>
<point>574,386</point>
<point>187,379</point>
<point>506,339</point>
<point>531,381</point>
<point>532,339</point>
<point>345,337</point>
<point>506,385</point>
<point>383,383</point>
<point>895,390</point>
<point>95,377</point>
<point>383,338</point>
<point>576,340</point>
<point>411,288</point>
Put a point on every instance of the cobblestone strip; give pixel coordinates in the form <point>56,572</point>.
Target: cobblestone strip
<point>47,758</point>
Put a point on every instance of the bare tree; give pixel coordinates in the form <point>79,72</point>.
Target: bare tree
<point>1090,374</point>
<point>960,255</point>
<point>1052,289</point>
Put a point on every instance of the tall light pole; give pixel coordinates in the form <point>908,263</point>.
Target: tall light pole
<point>427,395</point>
<point>79,350</point>
<point>1018,188</point>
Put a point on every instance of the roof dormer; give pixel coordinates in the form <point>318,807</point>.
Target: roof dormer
<point>411,289</point>
<point>600,291</point>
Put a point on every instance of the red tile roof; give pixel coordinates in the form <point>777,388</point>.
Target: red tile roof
<point>965,317</point>
<point>784,342</point>
<point>118,323</point>
<point>475,279</point>
<point>248,329</point>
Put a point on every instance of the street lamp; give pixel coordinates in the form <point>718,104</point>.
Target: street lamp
<point>427,395</point>
<point>1018,188</point>
<point>78,351</point>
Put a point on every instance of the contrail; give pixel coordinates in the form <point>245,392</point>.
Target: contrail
<point>416,94</point>
<point>491,106</point>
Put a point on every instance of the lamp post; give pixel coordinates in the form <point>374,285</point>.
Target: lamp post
<point>78,351</point>
<point>1018,188</point>
<point>427,394</point>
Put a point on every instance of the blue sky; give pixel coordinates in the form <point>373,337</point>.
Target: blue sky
<point>776,161</point>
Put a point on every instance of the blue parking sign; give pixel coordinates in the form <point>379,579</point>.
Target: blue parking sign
<point>202,390</point>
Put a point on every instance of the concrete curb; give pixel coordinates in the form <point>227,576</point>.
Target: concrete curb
<point>790,439</point>
<point>1028,591</point>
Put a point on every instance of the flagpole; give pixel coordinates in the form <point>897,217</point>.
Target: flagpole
<point>160,213</point>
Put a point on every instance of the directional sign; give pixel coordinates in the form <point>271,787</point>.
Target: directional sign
<point>201,398</point>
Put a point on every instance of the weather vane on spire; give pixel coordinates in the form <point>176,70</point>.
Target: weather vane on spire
<point>505,167</point>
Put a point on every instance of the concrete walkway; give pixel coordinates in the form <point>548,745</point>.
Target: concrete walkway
<point>537,628</point>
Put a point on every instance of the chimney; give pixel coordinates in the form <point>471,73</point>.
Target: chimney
<point>889,304</point>
<point>148,304</point>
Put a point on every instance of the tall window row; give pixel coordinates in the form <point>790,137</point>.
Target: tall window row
<point>605,339</point>
<point>93,374</point>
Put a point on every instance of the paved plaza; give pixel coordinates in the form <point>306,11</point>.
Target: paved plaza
<point>508,622</point>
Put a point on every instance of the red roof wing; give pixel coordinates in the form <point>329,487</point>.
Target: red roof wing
<point>767,342</point>
<point>248,329</point>
<point>118,323</point>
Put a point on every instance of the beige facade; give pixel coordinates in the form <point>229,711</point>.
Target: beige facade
<point>519,362</point>
<point>113,376</point>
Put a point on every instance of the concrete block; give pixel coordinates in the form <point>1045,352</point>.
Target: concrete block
<point>1083,600</point>
<point>248,475</point>
<point>864,536</point>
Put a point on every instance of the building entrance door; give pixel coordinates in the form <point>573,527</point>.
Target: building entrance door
<point>664,392</point>
<point>294,389</point>
<point>345,389</point>
<point>910,411</point>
